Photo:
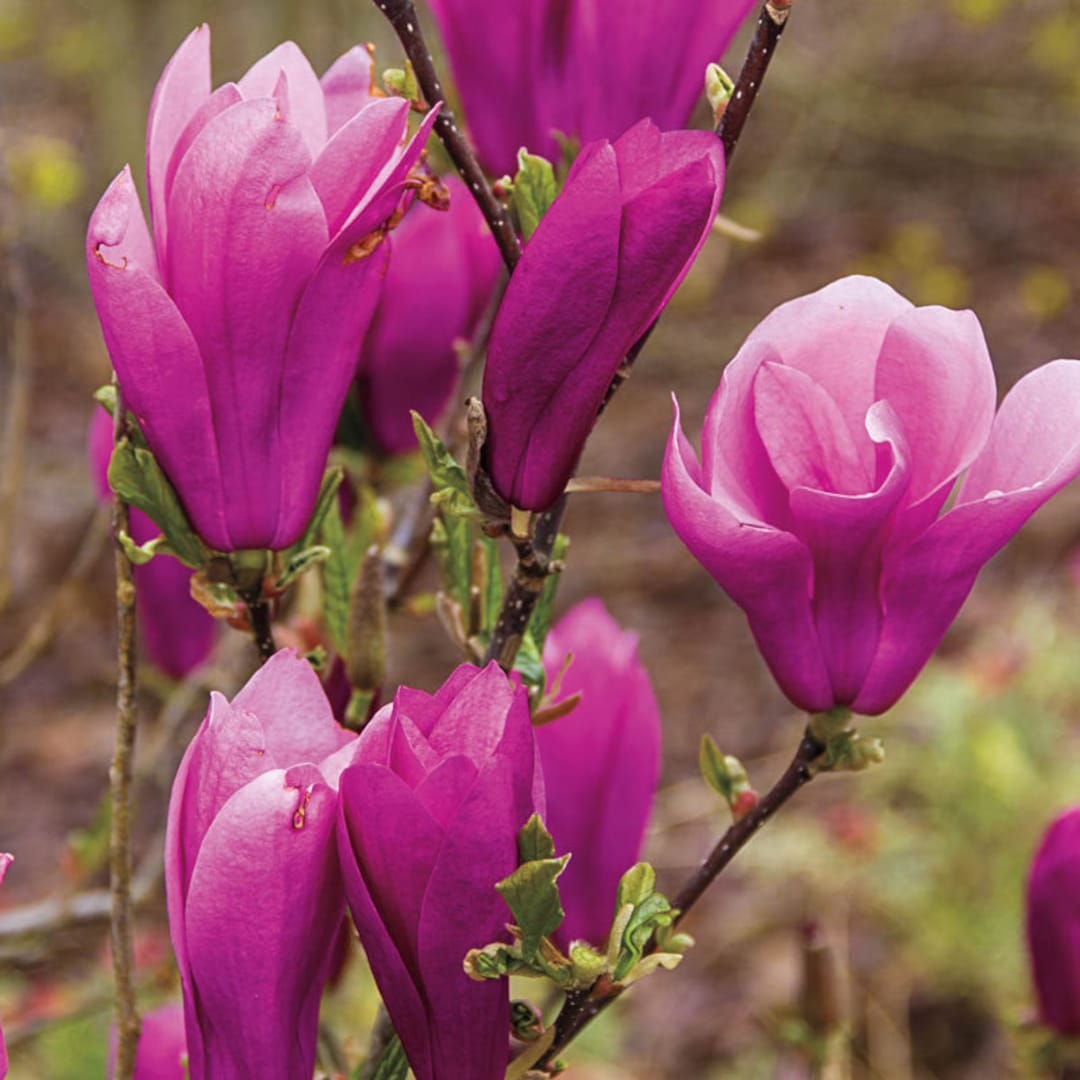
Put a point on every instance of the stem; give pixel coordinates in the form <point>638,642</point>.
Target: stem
<point>612,483</point>
<point>770,26</point>
<point>533,567</point>
<point>582,1008</point>
<point>127,1016</point>
<point>403,18</point>
<point>259,615</point>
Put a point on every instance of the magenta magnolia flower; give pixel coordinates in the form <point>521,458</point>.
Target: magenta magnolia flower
<point>601,764</point>
<point>251,874</point>
<point>441,277</point>
<point>829,450</point>
<point>234,330</point>
<point>1053,924</point>
<point>176,631</point>
<point>589,69</point>
<point>162,1046</point>
<point>430,814</point>
<point>598,270</point>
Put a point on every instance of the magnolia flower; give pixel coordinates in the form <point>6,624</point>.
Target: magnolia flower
<point>1053,924</point>
<point>430,814</point>
<point>251,874</point>
<point>440,280</point>
<point>600,267</point>
<point>176,631</point>
<point>601,763</point>
<point>234,328</point>
<point>587,69</point>
<point>836,436</point>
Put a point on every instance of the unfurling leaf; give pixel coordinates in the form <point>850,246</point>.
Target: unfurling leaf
<point>534,841</point>
<point>535,190</point>
<point>532,895</point>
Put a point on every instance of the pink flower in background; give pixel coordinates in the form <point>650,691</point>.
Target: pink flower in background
<point>443,271</point>
<point>251,874</point>
<point>586,68</point>
<point>162,1045</point>
<point>176,631</point>
<point>1053,924</point>
<point>234,328</point>
<point>829,451</point>
<point>601,764</point>
<point>600,267</point>
<point>430,814</point>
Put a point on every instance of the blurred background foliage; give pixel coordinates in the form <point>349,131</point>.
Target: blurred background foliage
<point>934,143</point>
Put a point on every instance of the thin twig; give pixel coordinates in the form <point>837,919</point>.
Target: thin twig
<point>580,1009</point>
<point>403,18</point>
<point>17,417</point>
<point>580,484</point>
<point>127,1016</point>
<point>770,25</point>
<point>532,569</point>
<point>261,624</point>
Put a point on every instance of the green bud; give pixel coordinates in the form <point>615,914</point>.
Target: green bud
<point>719,86</point>
<point>534,189</point>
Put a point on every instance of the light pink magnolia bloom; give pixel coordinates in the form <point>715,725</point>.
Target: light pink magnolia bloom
<point>251,874</point>
<point>162,1045</point>
<point>235,326</point>
<point>601,764</point>
<point>429,820</point>
<point>829,451</point>
<point>5,861</point>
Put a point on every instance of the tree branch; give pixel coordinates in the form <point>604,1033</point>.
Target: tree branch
<point>580,1009</point>
<point>403,18</point>
<point>122,907</point>
<point>770,26</point>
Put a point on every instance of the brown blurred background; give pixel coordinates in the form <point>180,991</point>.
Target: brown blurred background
<point>934,143</point>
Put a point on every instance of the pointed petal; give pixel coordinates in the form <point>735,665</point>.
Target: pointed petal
<point>307,107</point>
<point>288,699</point>
<point>346,86</point>
<point>169,395</point>
<point>247,227</point>
<point>766,571</point>
<point>180,92</point>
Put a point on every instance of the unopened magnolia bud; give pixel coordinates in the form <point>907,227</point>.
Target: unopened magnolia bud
<point>365,662</point>
<point>719,86</point>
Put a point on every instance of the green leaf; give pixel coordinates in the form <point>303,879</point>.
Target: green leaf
<point>331,481</point>
<point>534,841</point>
<point>494,961</point>
<point>530,663</point>
<point>534,191</point>
<point>640,911</point>
<point>392,1063</point>
<point>141,554</point>
<point>532,895</point>
<point>636,885</point>
<point>106,397</point>
<point>493,586</point>
<point>137,478</point>
<point>301,561</point>
<point>336,578</point>
<point>444,471</point>
<point>724,773</point>
<point>540,623</point>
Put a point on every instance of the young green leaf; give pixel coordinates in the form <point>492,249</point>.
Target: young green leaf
<point>535,190</point>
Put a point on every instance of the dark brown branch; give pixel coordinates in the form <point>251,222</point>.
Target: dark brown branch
<point>402,16</point>
<point>259,615</point>
<point>532,569</point>
<point>770,26</point>
<point>127,1016</point>
<point>580,1009</point>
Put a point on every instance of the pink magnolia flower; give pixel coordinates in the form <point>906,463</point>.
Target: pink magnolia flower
<point>589,69</point>
<point>234,328</point>
<point>439,282</point>
<point>429,820</point>
<point>600,267</point>
<point>829,451</point>
<point>1053,924</point>
<point>176,631</point>
<point>601,764</point>
<point>251,874</point>
<point>162,1046</point>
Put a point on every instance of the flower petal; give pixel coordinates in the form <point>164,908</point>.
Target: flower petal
<point>180,92</point>
<point>307,106</point>
<point>346,86</point>
<point>766,571</point>
<point>140,322</point>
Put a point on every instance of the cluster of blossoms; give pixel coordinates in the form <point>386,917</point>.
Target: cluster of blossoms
<point>286,266</point>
